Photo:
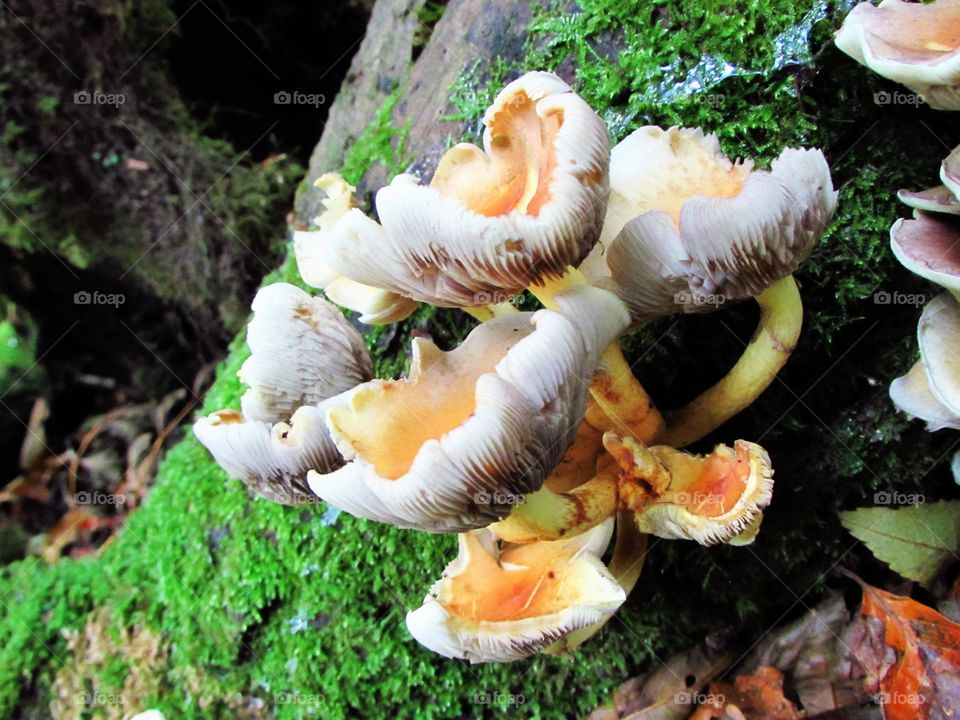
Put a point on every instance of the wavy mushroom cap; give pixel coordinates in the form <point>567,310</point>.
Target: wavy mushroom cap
<point>471,431</point>
<point>929,246</point>
<point>950,173</point>
<point>938,199</point>
<point>500,605</point>
<point>494,220</point>
<point>302,351</point>
<point>687,230</point>
<point>677,495</point>
<point>271,460</point>
<point>915,44</point>
<point>911,394</point>
<point>375,305</point>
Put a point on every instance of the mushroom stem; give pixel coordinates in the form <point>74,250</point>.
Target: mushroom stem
<point>488,312</point>
<point>626,565</point>
<point>781,317</point>
<point>547,515</point>
<point>627,406</point>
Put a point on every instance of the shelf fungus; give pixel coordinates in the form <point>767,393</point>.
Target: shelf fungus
<point>498,604</point>
<point>375,305</point>
<point>931,389</point>
<point>470,432</point>
<point>303,352</point>
<point>492,221</point>
<point>928,244</point>
<point>914,44</point>
<point>687,230</point>
<point>717,498</point>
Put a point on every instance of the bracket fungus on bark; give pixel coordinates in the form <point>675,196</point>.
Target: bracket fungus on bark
<point>677,495</point>
<point>498,604</point>
<point>916,44</point>
<point>470,432</point>
<point>492,220</point>
<point>303,352</point>
<point>375,305</point>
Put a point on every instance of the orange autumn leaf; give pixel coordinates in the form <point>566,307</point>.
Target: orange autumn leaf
<point>922,684</point>
<point>757,696</point>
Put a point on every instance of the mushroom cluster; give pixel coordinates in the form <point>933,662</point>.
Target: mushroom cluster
<point>532,439</point>
<point>929,245</point>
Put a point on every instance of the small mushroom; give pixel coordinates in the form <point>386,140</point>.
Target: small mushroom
<point>499,604</point>
<point>470,432</point>
<point>687,230</point>
<point>914,44</point>
<point>375,305</point>
<point>716,498</point>
<point>303,352</point>
<point>931,389</point>
<point>495,220</point>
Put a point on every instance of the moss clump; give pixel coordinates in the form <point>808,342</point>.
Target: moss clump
<point>283,610</point>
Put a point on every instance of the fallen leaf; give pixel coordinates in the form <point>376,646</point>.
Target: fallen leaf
<point>917,542</point>
<point>757,696</point>
<point>922,682</point>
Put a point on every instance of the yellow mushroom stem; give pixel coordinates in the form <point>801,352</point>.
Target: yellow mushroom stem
<point>488,312</point>
<point>548,515</point>
<point>616,390</point>
<point>626,565</point>
<point>781,317</point>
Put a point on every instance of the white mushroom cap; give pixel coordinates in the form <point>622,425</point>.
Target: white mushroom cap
<point>914,44</point>
<point>688,230</point>
<point>911,394</point>
<point>272,461</point>
<point>929,246</point>
<point>470,432</point>
<point>950,172</point>
<point>939,336</point>
<point>492,221</point>
<point>375,305</point>
<point>499,606</point>
<point>303,351</point>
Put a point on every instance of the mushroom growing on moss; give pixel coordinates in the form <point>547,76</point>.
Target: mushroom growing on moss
<point>915,44</point>
<point>931,390</point>
<point>470,432</point>
<point>687,230</point>
<point>375,305</point>
<point>493,220</point>
<point>498,604</point>
<point>303,352</point>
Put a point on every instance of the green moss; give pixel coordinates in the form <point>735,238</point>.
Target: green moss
<point>277,603</point>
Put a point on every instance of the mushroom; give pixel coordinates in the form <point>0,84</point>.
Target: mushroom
<point>494,220</point>
<point>470,432</point>
<point>375,305</point>
<point>914,44</point>
<point>499,604</point>
<point>687,230</point>
<point>677,495</point>
<point>303,352</point>
<point>931,389</point>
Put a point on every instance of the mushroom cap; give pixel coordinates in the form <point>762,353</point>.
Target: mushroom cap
<point>303,351</point>
<point>461,440</point>
<point>937,199</point>
<point>911,394</point>
<point>272,461</point>
<point>950,172</point>
<point>500,605</point>
<point>677,495</point>
<point>939,335</point>
<point>687,230</point>
<point>492,221</point>
<point>929,246</point>
<point>955,467</point>
<point>375,305</point>
<point>915,44</point>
